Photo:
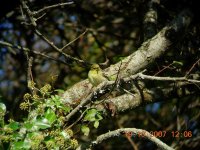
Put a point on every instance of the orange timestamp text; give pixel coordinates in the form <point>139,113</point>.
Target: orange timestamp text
<point>161,134</point>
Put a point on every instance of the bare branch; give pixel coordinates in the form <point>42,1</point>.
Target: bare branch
<point>175,79</point>
<point>74,40</point>
<point>57,49</point>
<point>34,24</point>
<point>29,13</point>
<point>52,6</point>
<point>134,132</point>
<point>3,43</point>
<point>192,67</point>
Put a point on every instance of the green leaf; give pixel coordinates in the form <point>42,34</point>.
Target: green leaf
<point>65,108</point>
<point>112,78</point>
<point>60,91</point>
<point>21,145</point>
<point>96,124</point>
<point>42,124</point>
<point>2,113</point>
<point>65,135</point>
<point>28,125</point>
<point>99,117</point>
<point>50,116</point>
<point>13,125</point>
<point>177,63</point>
<point>17,136</point>
<point>54,146</point>
<point>31,134</point>
<point>118,58</point>
<point>85,130</point>
<point>90,116</point>
<point>55,98</point>
<point>2,109</point>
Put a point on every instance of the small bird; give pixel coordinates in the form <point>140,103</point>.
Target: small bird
<point>96,76</point>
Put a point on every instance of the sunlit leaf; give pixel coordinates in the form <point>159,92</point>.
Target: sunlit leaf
<point>85,130</point>
<point>50,116</point>
<point>96,124</point>
<point>14,125</point>
<point>2,108</point>
<point>65,108</point>
<point>60,91</point>
<point>42,124</point>
<point>90,116</point>
<point>99,117</point>
<point>177,63</point>
<point>65,135</point>
<point>28,125</point>
<point>21,145</point>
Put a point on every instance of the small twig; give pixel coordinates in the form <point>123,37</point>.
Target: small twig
<point>86,100</point>
<point>33,22</point>
<point>142,76</point>
<point>52,6</point>
<point>155,122</point>
<point>74,40</point>
<point>164,69</point>
<point>117,78</point>
<point>70,126</point>
<point>113,86</point>
<point>28,50</point>
<point>29,66</point>
<point>192,67</point>
<point>29,13</point>
<point>23,16</point>
<point>41,16</point>
<point>133,144</point>
<point>103,47</point>
<point>30,63</point>
<point>49,57</point>
<point>128,92</point>
<point>57,49</point>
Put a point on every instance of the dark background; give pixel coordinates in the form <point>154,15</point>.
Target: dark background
<point>115,29</point>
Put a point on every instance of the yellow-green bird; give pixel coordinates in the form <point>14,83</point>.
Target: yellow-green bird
<point>95,75</point>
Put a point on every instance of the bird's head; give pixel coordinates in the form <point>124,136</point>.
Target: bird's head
<point>95,67</point>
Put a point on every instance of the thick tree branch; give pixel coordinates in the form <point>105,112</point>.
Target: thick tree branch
<point>132,100</point>
<point>145,55</point>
